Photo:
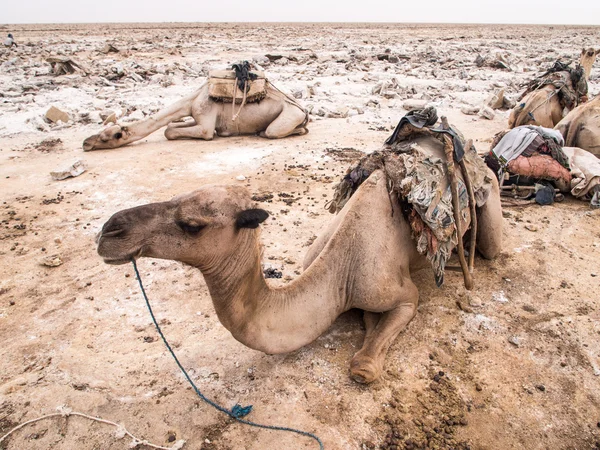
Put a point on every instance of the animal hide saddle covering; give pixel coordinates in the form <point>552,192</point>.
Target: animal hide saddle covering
<point>222,87</point>
<point>419,181</point>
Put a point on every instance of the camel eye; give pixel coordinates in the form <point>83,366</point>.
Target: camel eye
<point>118,135</point>
<point>190,229</point>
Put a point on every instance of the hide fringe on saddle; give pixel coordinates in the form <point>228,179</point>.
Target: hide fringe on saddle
<point>422,184</point>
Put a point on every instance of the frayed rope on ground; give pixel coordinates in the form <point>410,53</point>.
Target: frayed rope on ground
<point>121,432</point>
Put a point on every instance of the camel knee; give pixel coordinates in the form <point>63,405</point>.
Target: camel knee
<point>170,133</point>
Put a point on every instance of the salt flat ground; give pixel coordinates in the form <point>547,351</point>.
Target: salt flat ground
<point>520,360</point>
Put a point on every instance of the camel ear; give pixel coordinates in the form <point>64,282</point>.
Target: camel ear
<point>583,51</point>
<point>251,218</point>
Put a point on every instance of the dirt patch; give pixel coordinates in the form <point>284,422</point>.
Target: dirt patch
<point>347,154</point>
<point>48,145</point>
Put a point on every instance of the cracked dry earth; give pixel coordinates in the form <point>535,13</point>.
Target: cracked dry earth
<point>515,363</point>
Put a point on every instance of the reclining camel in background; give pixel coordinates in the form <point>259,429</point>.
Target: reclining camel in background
<point>363,260</point>
<point>275,116</point>
<point>581,127</point>
<point>543,106</point>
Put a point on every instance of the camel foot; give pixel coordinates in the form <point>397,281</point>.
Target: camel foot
<point>364,369</point>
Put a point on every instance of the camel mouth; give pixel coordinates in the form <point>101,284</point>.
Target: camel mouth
<point>88,145</point>
<point>119,260</point>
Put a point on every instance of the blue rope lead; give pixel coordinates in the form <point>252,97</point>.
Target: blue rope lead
<point>237,412</point>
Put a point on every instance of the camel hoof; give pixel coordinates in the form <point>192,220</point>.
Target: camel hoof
<point>364,370</point>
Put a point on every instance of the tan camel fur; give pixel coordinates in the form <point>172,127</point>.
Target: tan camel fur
<point>581,127</point>
<point>542,106</point>
<point>364,260</point>
<point>276,116</point>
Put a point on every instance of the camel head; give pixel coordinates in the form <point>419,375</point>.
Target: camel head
<point>588,56</point>
<point>201,228</point>
<point>111,137</point>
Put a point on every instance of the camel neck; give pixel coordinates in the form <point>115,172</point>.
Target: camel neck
<point>234,280</point>
<point>272,319</point>
<point>176,111</point>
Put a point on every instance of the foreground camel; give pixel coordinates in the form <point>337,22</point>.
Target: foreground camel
<point>542,106</point>
<point>581,127</point>
<point>363,260</point>
<point>275,116</point>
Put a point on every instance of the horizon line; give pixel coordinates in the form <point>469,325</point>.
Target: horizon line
<point>303,22</point>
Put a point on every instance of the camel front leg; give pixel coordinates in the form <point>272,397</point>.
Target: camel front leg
<point>367,364</point>
<point>189,132</point>
<point>371,320</point>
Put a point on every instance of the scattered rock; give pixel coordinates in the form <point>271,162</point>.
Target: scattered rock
<point>514,340</point>
<point>64,66</point>
<point>74,170</point>
<point>531,227</point>
<point>496,100</point>
<point>540,387</point>
<point>240,178</point>
<point>51,261</point>
<point>55,115</point>
<point>487,113</point>
<point>412,104</point>
<point>469,110</point>
<point>109,48</point>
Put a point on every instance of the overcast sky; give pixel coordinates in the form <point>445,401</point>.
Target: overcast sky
<point>584,12</point>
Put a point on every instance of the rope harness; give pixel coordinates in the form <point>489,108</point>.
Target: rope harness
<point>237,412</point>
<point>242,78</point>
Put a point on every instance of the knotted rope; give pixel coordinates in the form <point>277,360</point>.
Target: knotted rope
<point>243,76</point>
<point>237,412</point>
